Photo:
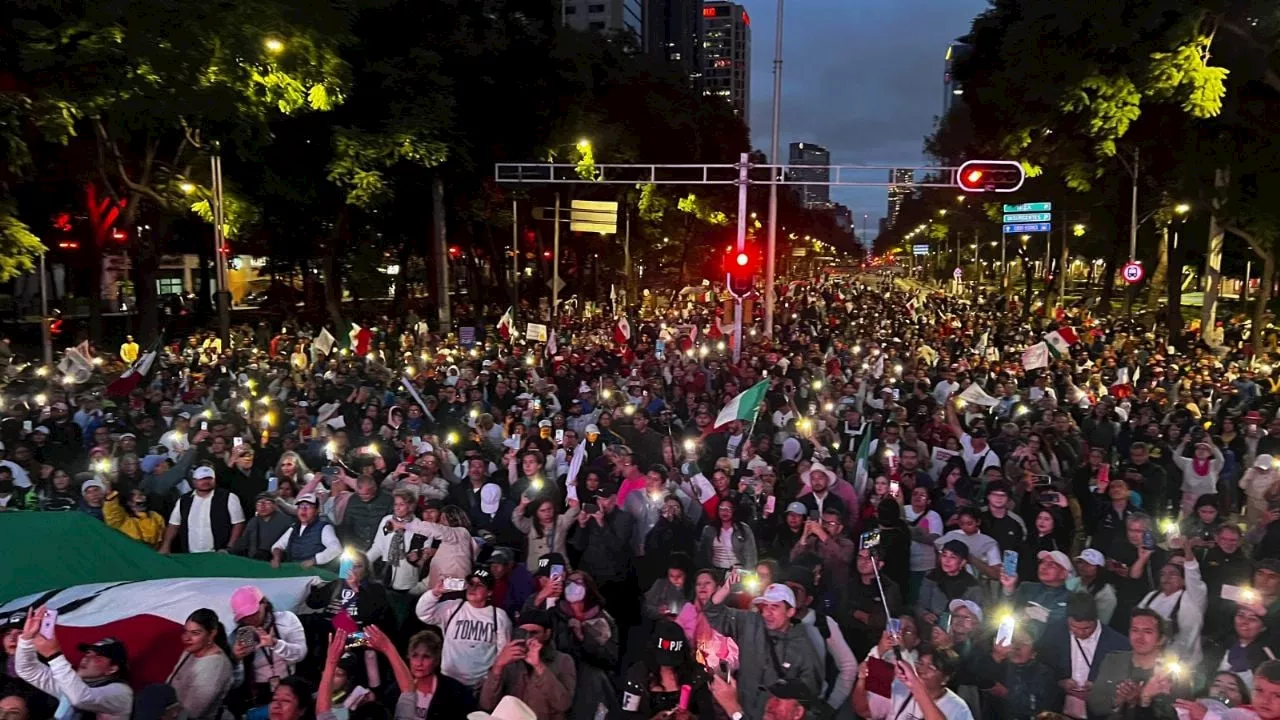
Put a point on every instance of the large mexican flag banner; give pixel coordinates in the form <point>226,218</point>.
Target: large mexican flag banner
<point>104,584</point>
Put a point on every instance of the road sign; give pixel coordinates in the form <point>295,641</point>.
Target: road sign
<point>1029,207</point>
<point>558,287</point>
<point>1028,217</point>
<point>919,249</point>
<point>1132,272</point>
<point>593,216</point>
<point>957,273</point>
<point>1027,228</point>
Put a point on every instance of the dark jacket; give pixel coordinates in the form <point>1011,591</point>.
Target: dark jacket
<point>792,649</point>
<point>1055,649</point>
<point>606,551</point>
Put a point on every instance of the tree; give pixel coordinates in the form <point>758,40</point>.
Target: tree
<point>149,89</point>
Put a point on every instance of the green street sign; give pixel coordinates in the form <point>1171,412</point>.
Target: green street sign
<point>1028,217</point>
<point>1035,207</point>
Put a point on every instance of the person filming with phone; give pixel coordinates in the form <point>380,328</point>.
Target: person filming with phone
<point>530,668</point>
<point>99,684</point>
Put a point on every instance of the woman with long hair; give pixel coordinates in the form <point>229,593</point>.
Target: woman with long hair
<point>725,542</point>
<point>672,534</point>
<point>653,685</point>
<point>129,513</point>
<point>57,494</point>
<point>292,700</point>
<point>544,528</point>
<point>203,675</point>
<point>1050,530</point>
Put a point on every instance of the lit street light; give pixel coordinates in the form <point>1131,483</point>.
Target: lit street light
<point>275,46</point>
<point>187,187</point>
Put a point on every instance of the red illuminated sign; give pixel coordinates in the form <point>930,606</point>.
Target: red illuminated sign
<point>708,12</point>
<point>746,19</point>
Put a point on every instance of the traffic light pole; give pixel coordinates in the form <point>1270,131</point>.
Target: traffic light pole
<point>744,181</point>
<point>739,174</point>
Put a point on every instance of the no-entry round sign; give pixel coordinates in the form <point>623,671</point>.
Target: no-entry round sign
<point>1132,272</point>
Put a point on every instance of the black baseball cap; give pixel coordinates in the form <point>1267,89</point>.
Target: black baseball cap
<point>536,616</point>
<point>111,649</point>
<point>668,643</point>
<point>791,690</point>
<point>484,576</point>
<point>546,561</point>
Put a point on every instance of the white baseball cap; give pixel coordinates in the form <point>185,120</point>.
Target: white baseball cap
<point>776,593</point>
<point>1058,557</point>
<point>490,498</point>
<point>969,605</point>
<point>203,472</point>
<point>1093,557</point>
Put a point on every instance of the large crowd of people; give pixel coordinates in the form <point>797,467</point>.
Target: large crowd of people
<point>888,508</point>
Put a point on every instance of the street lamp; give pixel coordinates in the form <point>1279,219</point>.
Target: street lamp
<point>584,144</point>
<point>943,211</point>
<point>1182,208</point>
<point>275,46</point>
<point>187,187</point>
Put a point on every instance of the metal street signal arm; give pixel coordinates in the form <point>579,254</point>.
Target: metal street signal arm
<point>723,174</point>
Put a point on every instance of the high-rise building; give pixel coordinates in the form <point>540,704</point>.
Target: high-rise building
<point>618,16</point>
<point>951,90</point>
<point>802,153</point>
<point>673,34</point>
<point>726,54</point>
<point>900,184</point>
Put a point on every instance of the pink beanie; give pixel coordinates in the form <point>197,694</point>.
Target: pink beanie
<point>245,601</point>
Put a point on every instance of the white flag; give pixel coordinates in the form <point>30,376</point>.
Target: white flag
<point>975,395</point>
<point>1036,356</point>
<point>324,342</point>
<point>75,366</point>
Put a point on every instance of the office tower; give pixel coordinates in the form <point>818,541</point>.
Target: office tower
<point>900,184</point>
<point>611,16</point>
<point>800,154</point>
<point>673,34</point>
<point>726,54</point>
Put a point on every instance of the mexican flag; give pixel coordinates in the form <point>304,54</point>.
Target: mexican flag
<point>103,584</point>
<point>137,373</point>
<point>622,331</point>
<point>744,406</point>
<point>1061,340</point>
<point>862,469</point>
<point>507,324</point>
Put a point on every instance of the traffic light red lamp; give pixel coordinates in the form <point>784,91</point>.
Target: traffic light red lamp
<point>1002,176</point>
<point>741,268</point>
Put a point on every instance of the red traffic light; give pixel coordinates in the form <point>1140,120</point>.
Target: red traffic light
<point>741,268</point>
<point>990,176</point>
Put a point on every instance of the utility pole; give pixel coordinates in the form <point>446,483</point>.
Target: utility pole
<point>626,258</point>
<point>46,337</point>
<point>515,255</point>
<point>772,246</point>
<point>220,258</point>
<point>555,263</point>
<point>1062,265</point>
<point>1133,231</point>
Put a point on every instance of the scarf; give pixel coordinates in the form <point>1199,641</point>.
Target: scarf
<point>395,552</point>
<point>1200,467</point>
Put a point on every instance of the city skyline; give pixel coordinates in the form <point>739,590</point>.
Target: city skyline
<point>863,78</point>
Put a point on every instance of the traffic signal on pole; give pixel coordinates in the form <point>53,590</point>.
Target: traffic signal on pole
<point>990,176</point>
<point>741,268</point>
<point>55,326</point>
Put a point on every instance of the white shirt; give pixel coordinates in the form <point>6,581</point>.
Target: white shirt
<point>1083,654</point>
<point>904,707</point>
<point>923,555</point>
<point>328,538</point>
<point>971,457</point>
<point>200,530</point>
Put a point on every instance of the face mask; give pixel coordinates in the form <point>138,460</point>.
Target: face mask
<point>575,592</point>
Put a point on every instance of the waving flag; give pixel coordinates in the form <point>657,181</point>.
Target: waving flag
<point>1036,356</point>
<point>507,324</point>
<point>1061,340</point>
<point>553,346</point>
<point>137,373</point>
<point>622,331</point>
<point>744,406</point>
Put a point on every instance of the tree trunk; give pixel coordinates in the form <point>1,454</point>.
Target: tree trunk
<point>333,272</point>
<point>1264,297</point>
<point>1173,312</point>
<point>1155,285</point>
<point>1213,264</point>
<point>1108,280</point>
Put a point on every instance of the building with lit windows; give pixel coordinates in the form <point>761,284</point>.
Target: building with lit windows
<point>800,154</point>
<point>726,54</point>
<point>900,186</point>
<point>673,34</point>
<point>611,16</point>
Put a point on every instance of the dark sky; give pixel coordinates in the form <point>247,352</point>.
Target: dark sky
<point>861,77</point>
